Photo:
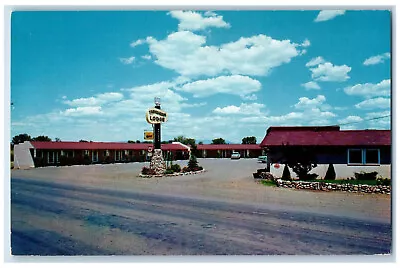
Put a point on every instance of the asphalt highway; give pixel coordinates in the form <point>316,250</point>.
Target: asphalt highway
<point>54,218</point>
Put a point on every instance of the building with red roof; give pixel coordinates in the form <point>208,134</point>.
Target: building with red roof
<point>349,151</point>
<point>43,153</point>
<point>226,150</point>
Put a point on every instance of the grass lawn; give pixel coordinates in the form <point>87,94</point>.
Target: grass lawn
<point>268,183</point>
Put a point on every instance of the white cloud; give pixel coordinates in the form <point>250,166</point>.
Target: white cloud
<point>142,97</point>
<point>146,57</point>
<point>350,119</point>
<point>375,103</point>
<point>315,61</point>
<point>251,97</point>
<point>306,103</point>
<point>83,111</point>
<point>235,84</point>
<point>99,99</point>
<point>381,120</point>
<point>187,54</point>
<point>328,72</point>
<point>377,59</point>
<point>306,43</point>
<point>244,109</point>
<point>137,42</point>
<point>311,85</point>
<point>325,15</point>
<point>192,21</point>
<point>190,105</point>
<point>127,60</point>
<point>370,90</point>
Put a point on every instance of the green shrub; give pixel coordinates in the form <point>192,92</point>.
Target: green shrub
<point>365,175</point>
<point>384,182</point>
<point>169,171</point>
<point>309,177</point>
<point>176,168</point>
<point>330,173</point>
<point>286,174</point>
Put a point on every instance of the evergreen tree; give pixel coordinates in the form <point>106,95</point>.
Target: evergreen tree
<point>286,174</point>
<point>330,173</point>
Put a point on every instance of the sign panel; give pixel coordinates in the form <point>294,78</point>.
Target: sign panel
<point>148,135</point>
<point>156,116</point>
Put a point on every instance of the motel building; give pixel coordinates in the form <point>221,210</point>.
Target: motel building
<point>226,150</point>
<point>349,151</point>
<point>37,153</point>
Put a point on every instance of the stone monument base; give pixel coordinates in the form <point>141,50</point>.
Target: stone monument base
<point>157,162</point>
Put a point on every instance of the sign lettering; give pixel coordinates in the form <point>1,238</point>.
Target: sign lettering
<point>156,116</point>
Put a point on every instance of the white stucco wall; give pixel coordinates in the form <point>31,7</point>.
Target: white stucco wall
<point>343,171</point>
<point>22,156</point>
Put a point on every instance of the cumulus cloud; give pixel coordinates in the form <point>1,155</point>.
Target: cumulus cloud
<point>306,43</point>
<point>127,60</point>
<point>377,59</point>
<point>325,15</point>
<point>311,85</point>
<point>236,85</point>
<point>192,21</point>
<point>375,103</point>
<point>328,72</point>
<point>315,61</point>
<point>98,99</point>
<point>82,111</point>
<point>350,119</point>
<point>370,90</point>
<point>306,103</point>
<point>381,120</point>
<point>187,54</point>
<point>244,109</point>
<point>146,57</point>
<point>137,42</point>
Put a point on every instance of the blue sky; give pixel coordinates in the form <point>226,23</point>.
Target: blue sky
<point>230,74</point>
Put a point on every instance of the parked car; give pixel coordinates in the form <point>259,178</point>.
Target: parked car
<point>262,159</point>
<point>235,155</point>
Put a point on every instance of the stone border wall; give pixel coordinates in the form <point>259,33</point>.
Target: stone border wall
<point>173,174</point>
<point>324,186</point>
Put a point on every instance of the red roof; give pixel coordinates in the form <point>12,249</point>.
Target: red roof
<point>325,136</point>
<point>228,147</point>
<point>63,145</point>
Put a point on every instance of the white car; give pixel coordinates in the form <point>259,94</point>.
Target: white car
<point>235,155</point>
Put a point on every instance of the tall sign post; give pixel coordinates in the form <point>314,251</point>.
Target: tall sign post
<point>157,127</point>
<point>156,116</point>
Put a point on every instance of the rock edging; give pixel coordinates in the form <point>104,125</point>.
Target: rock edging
<point>173,174</point>
<point>324,186</point>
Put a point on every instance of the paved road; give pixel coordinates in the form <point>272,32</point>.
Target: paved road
<point>49,218</point>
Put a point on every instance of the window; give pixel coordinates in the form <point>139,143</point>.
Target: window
<point>363,157</point>
<point>372,156</point>
<point>106,153</point>
<point>355,156</point>
<point>86,152</point>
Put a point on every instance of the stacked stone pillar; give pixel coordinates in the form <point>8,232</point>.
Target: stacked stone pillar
<point>157,162</point>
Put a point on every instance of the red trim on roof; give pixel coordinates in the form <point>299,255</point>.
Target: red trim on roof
<point>325,136</point>
<point>63,145</point>
<point>228,147</point>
